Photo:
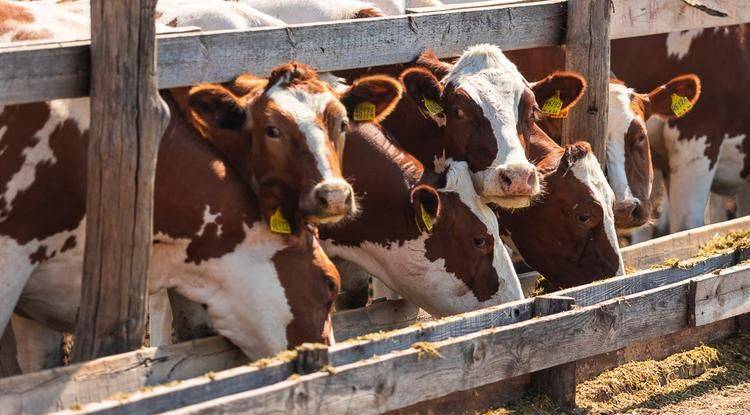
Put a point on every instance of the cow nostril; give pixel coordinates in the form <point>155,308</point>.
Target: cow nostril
<point>505,179</point>
<point>322,199</point>
<point>636,212</point>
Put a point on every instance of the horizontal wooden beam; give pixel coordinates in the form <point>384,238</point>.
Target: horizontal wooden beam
<point>713,299</point>
<point>396,380</point>
<point>43,72</point>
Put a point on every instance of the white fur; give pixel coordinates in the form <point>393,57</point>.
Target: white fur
<point>588,172</point>
<point>405,268</point>
<point>214,15</point>
<point>727,180</point>
<point>678,43</point>
<point>306,108</point>
<point>209,218</point>
<point>621,115</point>
<point>38,346</point>
<point>309,11</point>
<point>61,23</point>
<point>495,84</point>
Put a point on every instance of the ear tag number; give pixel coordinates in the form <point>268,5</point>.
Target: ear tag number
<point>279,224</point>
<point>364,111</point>
<point>426,219</point>
<point>553,106</point>
<point>432,107</point>
<point>680,105</point>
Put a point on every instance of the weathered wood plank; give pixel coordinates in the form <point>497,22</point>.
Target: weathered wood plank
<point>646,17</point>
<point>398,379</point>
<point>557,382</point>
<point>128,118</point>
<point>385,315</point>
<point>188,59</point>
<point>715,299</point>
<point>63,387</point>
<point>678,245</point>
<point>587,52</point>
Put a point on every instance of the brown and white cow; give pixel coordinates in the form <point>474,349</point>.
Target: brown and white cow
<point>429,237</point>
<point>264,291</point>
<point>577,203</point>
<point>629,163</point>
<point>706,149</point>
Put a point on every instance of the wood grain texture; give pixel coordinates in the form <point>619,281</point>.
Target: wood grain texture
<point>680,245</point>
<point>8,353</point>
<point>557,382</point>
<point>587,52</point>
<point>399,379</point>
<point>715,299</point>
<point>385,315</point>
<point>60,388</point>
<point>128,118</point>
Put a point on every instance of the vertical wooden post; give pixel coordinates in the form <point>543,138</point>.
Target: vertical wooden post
<point>587,52</point>
<point>558,382</point>
<point>128,118</point>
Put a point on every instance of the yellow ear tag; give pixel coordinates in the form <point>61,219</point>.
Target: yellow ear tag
<point>364,111</point>
<point>432,106</point>
<point>553,105</point>
<point>279,224</point>
<point>426,219</point>
<point>680,105</point>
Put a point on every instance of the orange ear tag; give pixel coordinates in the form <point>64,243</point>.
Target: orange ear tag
<point>364,111</point>
<point>279,224</point>
<point>553,106</point>
<point>680,105</point>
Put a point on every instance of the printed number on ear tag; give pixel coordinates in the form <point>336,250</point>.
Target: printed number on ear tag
<point>680,105</point>
<point>279,224</point>
<point>432,107</point>
<point>426,219</point>
<point>364,111</point>
<point>553,106</point>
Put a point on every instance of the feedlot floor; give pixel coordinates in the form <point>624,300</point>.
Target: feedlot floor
<point>711,379</point>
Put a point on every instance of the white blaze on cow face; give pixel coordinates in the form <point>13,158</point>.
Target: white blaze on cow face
<point>621,116</point>
<point>496,86</point>
<point>307,111</point>
<point>588,172</point>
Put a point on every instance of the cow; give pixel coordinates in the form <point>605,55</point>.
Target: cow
<point>577,206</point>
<point>30,21</point>
<point>306,11</point>
<point>427,236</point>
<point>629,162</point>
<point>706,149</point>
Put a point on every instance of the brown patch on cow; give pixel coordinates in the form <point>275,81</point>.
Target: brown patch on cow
<point>471,264</point>
<point>311,284</point>
<point>11,15</point>
<point>430,61</point>
<point>367,13</point>
<point>25,35</point>
<point>639,172</point>
<point>295,74</point>
<point>172,23</point>
<point>39,256</point>
<point>69,244</point>
<point>723,102</point>
<point>468,133</point>
<point>63,180</point>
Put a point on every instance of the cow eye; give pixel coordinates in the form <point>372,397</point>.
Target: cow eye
<point>459,113</point>
<point>273,132</point>
<point>480,242</point>
<point>583,218</point>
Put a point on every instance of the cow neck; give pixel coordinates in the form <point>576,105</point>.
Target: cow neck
<point>382,175</point>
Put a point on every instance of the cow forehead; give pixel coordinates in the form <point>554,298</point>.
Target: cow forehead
<point>304,104</point>
<point>458,180</point>
<point>588,172</point>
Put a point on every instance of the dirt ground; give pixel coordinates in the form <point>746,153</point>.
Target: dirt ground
<point>711,379</point>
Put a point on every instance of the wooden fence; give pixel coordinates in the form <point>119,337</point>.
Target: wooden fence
<point>201,371</point>
<point>123,94</point>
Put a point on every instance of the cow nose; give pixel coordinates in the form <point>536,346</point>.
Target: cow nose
<point>334,198</point>
<point>518,180</point>
<point>630,213</point>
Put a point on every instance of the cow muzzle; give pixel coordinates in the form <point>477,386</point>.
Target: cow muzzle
<point>631,213</point>
<point>510,186</point>
<point>328,202</point>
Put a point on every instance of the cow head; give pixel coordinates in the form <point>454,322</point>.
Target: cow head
<point>568,235</point>
<point>432,239</point>
<point>291,134</point>
<point>629,167</point>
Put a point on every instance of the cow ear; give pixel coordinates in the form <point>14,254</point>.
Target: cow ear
<point>429,60</point>
<point>214,106</point>
<point>424,89</point>
<point>558,92</point>
<point>425,203</point>
<point>372,98</point>
<point>675,98</point>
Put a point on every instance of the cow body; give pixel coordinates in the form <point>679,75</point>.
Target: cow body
<point>211,243</point>
<point>705,150</point>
